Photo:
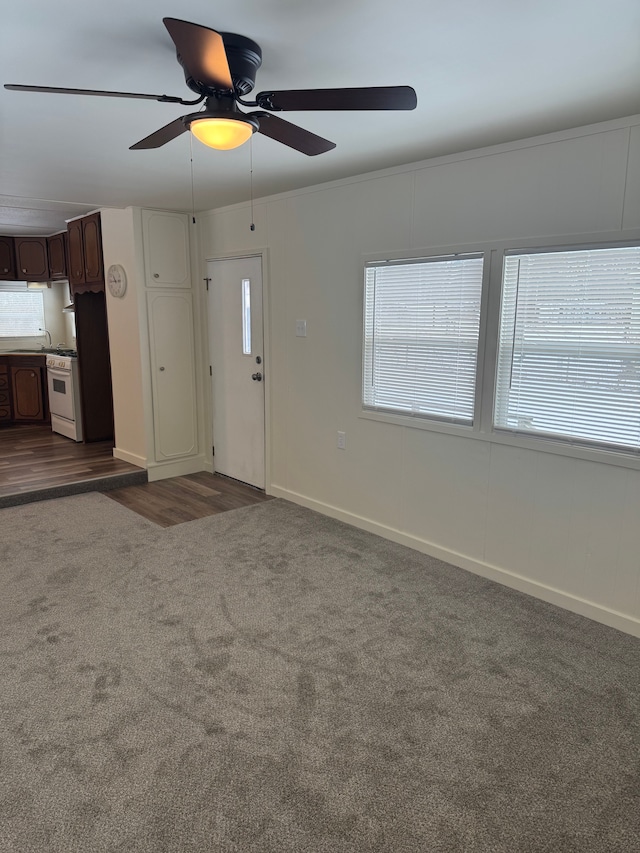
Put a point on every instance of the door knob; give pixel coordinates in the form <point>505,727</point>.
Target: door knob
<point>257,377</point>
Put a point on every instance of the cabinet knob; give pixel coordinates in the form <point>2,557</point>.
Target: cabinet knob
<point>6,269</point>
<point>156,275</point>
<point>23,270</point>
<point>162,368</point>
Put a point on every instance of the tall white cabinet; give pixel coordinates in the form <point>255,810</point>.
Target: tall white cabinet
<point>165,238</point>
<point>169,312</point>
<point>171,347</point>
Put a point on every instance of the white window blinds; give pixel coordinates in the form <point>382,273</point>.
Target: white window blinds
<point>569,346</point>
<point>421,326</point>
<point>21,313</point>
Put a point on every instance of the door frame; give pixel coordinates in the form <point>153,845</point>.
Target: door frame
<point>263,254</point>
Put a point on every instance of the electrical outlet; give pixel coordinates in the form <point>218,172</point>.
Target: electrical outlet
<point>342,440</point>
<point>301,328</point>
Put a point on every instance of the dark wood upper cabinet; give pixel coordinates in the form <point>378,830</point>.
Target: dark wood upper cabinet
<point>57,252</point>
<point>31,259</point>
<point>76,252</point>
<point>7,259</point>
<point>92,239</point>
<point>86,267</point>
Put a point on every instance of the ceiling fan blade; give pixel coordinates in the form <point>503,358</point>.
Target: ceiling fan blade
<point>100,92</point>
<point>202,53</point>
<point>367,98</point>
<point>162,136</point>
<point>292,135</point>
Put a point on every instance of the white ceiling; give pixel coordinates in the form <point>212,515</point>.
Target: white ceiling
<point>484,72</point>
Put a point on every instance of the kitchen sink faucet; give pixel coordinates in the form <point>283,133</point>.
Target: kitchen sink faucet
<point>48,334</point>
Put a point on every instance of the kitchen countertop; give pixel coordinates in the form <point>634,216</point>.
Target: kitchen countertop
<point>23,352</point>
<point>62,351</point>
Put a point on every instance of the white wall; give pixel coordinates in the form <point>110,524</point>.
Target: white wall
<point>559,527</point>
<point>68,318</point>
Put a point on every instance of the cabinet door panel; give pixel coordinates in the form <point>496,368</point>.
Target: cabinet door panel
<point>5,397</point>
<point>166,249</point>
<point>92,240</point>
<point>7,259</point>
<point>56,251</point>
<point>76,252</point>
<point>5,400</point>
<point>172,374</point>
<point>31,259</point>
<point>26,384</point>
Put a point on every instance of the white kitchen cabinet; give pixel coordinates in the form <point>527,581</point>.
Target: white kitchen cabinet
<point>173,384</point>
<point>165,239</point>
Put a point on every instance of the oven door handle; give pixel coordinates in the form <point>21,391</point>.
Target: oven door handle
<point>55,371</point>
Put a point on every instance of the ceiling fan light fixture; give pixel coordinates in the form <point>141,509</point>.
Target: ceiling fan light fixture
<point>222,133</point>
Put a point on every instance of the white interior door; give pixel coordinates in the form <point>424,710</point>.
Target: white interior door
<point>237,368</point>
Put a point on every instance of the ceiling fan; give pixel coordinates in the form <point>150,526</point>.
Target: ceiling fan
<point>221,69</point>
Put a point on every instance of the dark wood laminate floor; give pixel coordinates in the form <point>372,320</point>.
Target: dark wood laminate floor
<point>179,499</point>
<point>36,464</point>
<point>33,458</point>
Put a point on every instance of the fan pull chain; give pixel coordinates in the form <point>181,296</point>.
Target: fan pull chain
<point>253,225</point>
<point>193,206</point>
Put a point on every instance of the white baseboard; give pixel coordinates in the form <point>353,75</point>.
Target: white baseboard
<point>133,458</point>
<point>583,607</point>
<point>178,468</point>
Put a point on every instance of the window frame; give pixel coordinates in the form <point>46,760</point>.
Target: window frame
<point>19,287</point>
<point>482,429</point>
<point>426,421</point>
<point>560,437</point>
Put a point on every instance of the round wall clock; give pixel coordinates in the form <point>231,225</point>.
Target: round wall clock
<point>116,280</point>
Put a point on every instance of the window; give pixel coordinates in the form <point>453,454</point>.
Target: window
<point>21,313</point>
<point>246,316</point>
<point>421,327</point>
<point>569,346</point>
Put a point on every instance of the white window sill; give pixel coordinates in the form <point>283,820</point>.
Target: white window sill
<point>542,444</point>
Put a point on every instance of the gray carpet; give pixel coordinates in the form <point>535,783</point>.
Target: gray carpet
<point>272,680</point>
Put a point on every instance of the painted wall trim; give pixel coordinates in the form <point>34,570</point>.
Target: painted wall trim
<point>441,160</point>
<point>132,458</point>
<point>163,470</point>
<point>567,601</point>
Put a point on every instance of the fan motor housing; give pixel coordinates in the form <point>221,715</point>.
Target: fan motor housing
<point>244,57</point>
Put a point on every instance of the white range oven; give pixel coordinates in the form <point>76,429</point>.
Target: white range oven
<point>64,395</point>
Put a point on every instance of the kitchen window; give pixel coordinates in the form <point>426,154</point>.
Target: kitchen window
<point>21,312</point>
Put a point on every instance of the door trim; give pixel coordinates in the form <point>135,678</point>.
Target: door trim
<point>263,254</point>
